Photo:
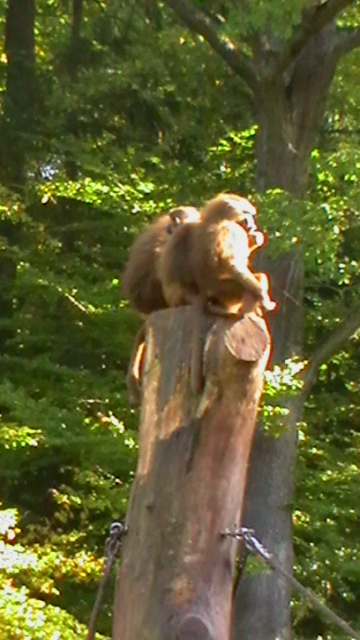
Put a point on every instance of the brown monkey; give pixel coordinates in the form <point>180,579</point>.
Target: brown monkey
<point>223,244</point>
<point>211,259</point>
<point>141,284</point>
<point>176,267</point>
<point>207,263</point>
<point>140,280</point>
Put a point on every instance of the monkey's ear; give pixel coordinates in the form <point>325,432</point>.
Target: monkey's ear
<point>247,339</point>
<point>176,217</point>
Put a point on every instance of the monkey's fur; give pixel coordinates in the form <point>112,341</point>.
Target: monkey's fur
<point>210,259</point>
<point>207,263</point>
<point>141,283</point>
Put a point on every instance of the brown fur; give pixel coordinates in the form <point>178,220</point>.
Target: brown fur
<point>140,280</point>
<point>176,269</point>
<point>141,283</point>
<point>211,258</point>
<point>208,263</point>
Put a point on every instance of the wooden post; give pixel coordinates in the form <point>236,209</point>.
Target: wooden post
<point>176,575</point>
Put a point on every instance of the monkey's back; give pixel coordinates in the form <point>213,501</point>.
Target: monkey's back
<point>140,281</point>
<point>220,252</point>
<point>176,267</point>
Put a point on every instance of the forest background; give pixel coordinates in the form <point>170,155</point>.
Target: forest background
<point>111,113</point>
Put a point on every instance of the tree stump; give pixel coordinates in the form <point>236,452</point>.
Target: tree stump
<point>176,575</point>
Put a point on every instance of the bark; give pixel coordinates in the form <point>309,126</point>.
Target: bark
<point>330,347</point>
<point>224,47</point>
<point>289,118</point>
<point>75,45</point>
<point>176,573</point>
<point>73,63</point>
<point>20,92</point>
<point>261,605</point>
<point>289,109</point>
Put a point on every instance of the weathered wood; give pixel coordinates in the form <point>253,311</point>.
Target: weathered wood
<point>176,573</point>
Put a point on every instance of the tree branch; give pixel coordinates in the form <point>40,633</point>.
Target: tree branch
<point>197,21</point>
<point>347,40</point>
<point>314,19</point>
<point>343,332</point>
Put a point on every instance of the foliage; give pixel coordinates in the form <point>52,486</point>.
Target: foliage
<point>123,132</point>
<point>280,384</point>
<point>328,489</point>
<point>38,570</point>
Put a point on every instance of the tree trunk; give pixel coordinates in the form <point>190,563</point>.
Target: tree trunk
<point>20,94</point>
<point>176,574</point>
<point>261,606</point>
<point>74,61</point>
<point>289,110</point>
<point>279,163</point>
<point>289,115</point>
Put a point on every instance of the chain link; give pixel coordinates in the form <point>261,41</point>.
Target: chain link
<point>111,552</point>
<point>253,545</point>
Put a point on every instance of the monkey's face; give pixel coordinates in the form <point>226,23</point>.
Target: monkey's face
<point>256,237</point>
<point>243,213</point>
<point>182,215</point>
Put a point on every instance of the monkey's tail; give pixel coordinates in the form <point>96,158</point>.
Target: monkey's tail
<point>134,368</point>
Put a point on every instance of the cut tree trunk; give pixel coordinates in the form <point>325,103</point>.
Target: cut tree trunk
<point>176,575</point>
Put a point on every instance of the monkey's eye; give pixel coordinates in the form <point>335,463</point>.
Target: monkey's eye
<point>249,222</point>
<point>170,228</point>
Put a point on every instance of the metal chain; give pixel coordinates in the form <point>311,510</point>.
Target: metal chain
<point>253,545</point>
<point>111,552</point>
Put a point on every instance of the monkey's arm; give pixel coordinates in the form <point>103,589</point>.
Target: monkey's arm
<point>256,284</point>
<point>238,250</point>
<point>235,254</point>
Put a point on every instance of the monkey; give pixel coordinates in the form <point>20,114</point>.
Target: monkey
<point>176,267</point>
<point>223,245</point>
<point>206,263</point>
<point>140,281</point>
<point>209,258</point>
<point>141,284</point>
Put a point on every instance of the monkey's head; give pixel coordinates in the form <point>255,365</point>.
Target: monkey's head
<point>230,206</point>
<point>182,215</point>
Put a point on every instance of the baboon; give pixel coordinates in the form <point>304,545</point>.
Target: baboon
<point>210,259</point>
<point>141,284</point>
<point>223,245</point>
<point>207,264</point>
<point>140,281</point>
<point>176,267</point>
